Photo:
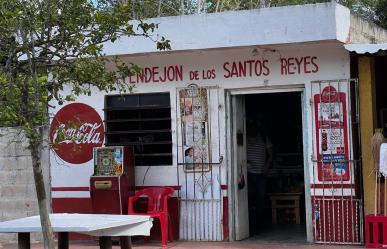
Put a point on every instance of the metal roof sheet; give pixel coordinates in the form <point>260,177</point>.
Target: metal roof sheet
<point>367,48</point>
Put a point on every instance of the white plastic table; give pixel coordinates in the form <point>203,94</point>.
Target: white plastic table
<point>100,225</point>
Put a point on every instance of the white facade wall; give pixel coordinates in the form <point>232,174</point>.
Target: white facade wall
<point>277,25</point>
<point>332,61</point>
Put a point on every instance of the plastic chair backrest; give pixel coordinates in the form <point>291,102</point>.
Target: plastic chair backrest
<point>157,197</point>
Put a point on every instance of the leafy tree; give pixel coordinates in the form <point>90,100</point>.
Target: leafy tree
<point>381,13</point>
<point>46,45</point>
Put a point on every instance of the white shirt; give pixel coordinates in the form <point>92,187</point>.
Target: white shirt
<point>256,154</point>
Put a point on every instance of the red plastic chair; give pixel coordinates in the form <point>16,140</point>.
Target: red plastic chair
<point>157,208</point>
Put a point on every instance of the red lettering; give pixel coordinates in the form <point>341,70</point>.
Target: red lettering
<point>306,64</point>
<point>213,73</point>
<point>234,70</point>
<point>315,70</point>
<point>284,66</point>
<point>291,65</point>
<point>155,72</point>
<point>299,62</point>
<point>250,63</point>
<point>171,73</point>
<point>148,75</point>
<point>242,69</point>
<point>179,73</point>
<point>258,68</point>
<point>204,77</point>
<point>299,65</point>
<point>164,77</point>
<point>266,67</point>
<point>194,75</point>
<point>141,77</point>
<point>227,73</point>
<point>246,68</point>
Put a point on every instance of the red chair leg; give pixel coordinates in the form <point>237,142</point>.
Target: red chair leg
<point>164,230</point>
<point>170,232</point>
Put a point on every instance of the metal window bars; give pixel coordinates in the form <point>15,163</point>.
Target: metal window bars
<point>336,173</point>
<point>201,199</point>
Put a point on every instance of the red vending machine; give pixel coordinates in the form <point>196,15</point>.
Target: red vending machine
<point>113,180</point>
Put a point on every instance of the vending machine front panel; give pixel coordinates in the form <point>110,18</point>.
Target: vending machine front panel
<point>113,180</point>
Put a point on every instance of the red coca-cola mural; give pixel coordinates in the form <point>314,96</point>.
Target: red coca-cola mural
<point>75,130</point>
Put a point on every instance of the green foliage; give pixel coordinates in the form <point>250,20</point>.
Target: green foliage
<point>51,44</point>
<point>381,13</point>
<point>52,51</point>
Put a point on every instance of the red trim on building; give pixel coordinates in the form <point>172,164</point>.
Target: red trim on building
<point>72,205</point>
<point>142,187</point>
<point>70,189</point>
<point>225,218</point>
<point>88,188</point>
<point>336,219</point>
<point>334,185</point>
<point>334,197</point>
<point>224,187</point>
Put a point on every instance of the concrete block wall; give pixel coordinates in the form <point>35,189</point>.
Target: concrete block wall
<point>363,31</point>
<point>17,187</point>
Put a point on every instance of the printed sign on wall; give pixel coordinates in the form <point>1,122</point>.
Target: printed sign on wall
<point>194,122</point>
<point>331,135</point>
<point>75,130</point>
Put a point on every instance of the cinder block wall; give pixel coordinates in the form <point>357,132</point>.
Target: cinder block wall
<point>17,187</point>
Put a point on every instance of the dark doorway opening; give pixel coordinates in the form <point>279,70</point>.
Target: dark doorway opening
<point>275,167</point>
<point>381,93</point>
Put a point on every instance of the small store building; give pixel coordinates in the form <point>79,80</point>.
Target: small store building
<point>193,111</point>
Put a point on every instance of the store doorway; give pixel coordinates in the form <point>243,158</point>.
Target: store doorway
<point>269,154</point>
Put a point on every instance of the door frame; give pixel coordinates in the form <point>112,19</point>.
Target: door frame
<point>232,200</point>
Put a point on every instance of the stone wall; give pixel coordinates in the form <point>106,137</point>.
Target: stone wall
<point>17,188</point>
<point>363,31</point>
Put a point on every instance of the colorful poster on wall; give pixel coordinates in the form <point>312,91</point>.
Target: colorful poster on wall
<point>194,126</point>
<point>331,135</point>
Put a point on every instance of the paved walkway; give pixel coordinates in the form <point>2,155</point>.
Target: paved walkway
<point>202,245</point>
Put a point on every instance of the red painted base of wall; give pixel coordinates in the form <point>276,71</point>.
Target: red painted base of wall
<point>335,220</point>
<point>225,219</point>
<point>84,205</point>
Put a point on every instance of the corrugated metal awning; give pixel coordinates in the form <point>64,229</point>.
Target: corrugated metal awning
<point>375,49</point>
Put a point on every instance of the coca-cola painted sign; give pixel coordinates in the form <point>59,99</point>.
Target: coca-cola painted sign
<point>331,135</point>
<point>75,130</point>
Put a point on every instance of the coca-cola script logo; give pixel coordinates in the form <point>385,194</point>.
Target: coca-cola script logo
<point>75,130</point>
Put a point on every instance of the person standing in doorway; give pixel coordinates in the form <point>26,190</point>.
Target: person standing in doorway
<point>259,161</point>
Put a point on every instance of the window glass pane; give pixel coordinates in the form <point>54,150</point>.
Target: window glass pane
<point>155,100</point>
<point>144,122</point>
<point>122,101</point>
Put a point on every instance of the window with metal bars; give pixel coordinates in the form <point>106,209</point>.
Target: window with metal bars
<point>142,121</point>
